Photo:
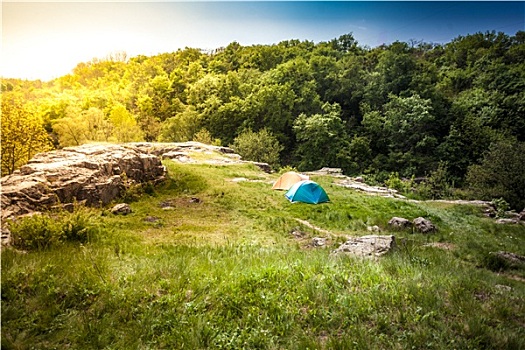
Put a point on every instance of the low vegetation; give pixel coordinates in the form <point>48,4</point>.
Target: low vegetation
<point>207,262</point>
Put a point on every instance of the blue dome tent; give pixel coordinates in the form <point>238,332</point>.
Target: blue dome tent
<point>307,192</point>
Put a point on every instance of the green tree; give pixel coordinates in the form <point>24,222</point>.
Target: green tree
<point>404,133</point>
<point>23,134</point>
<point>501,173</point>
<point>358,155</point>
<point>321,139</point>
<point>71,129</point>
<point>392,74</point>
<point>98,127</point>
<point>474,111</point>
<point>125,127</point>
<point>259,146</point>
<point>182,127</point>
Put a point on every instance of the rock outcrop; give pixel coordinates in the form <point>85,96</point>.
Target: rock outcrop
<point>97,174</point>
<point>92,174</point>
<point>359,185</point>
<point>182,152</point>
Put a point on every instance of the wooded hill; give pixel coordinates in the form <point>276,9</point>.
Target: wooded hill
<point>454,113</point>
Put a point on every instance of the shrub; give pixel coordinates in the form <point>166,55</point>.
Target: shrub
<point>501,206</point>
<point>35,232</point>
<point>438,182</point>
<point>494,262</point>
<point>404,186</point>
<point>77,226</point>
<point>39,232</point>
<point>259,146</point>
<point>204,136</point>
<point>500,174</point>
<point>286,169</point>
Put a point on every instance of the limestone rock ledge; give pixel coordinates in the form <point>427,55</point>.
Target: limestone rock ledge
<point>94,174</point>
<point>97,174</point>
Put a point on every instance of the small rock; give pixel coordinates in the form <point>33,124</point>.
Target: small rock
<point>489,212</point>
<point>399,223</point>
<point>263,166</point>
<point>166,204</point>
<point>121,209</point>
<point>503,288</point>
<point>5,234</point>
<point>512,259</point>
<point>374,228</point>
<point>506,221</point>
<point>297,233</point>
<point>359,179</point>
<point>151,219</point>
<point>318,242</point>
<point>195,200</point>
<point>226,150</point>
<point>239,179</point>
<point>511,214</point>
<point>423,225</point>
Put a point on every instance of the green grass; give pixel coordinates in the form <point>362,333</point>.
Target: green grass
<point>225,273</point>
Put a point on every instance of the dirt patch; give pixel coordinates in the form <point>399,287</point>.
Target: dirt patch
<point>180,202</point>
<point>441,245</point>
<point>515,278</point>
<point>315,228</point>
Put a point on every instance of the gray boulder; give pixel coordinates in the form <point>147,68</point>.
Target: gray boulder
<point>399,223</point>
<point>424,225</point>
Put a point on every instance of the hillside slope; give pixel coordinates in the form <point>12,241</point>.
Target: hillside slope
<point>213,258</point>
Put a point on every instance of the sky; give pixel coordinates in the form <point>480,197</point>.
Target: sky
<point>46,40</point>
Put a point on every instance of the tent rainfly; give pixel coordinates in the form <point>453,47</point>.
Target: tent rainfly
<point>288,179</point>
<point>307,192</point>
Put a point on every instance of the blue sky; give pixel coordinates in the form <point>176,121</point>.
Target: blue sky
<point>44,40</point>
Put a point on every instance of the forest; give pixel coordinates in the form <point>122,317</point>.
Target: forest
<point>446,119</point>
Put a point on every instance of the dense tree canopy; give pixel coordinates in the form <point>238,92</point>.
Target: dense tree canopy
<point>404,107</point>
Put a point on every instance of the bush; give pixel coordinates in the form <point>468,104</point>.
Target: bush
<point>438,182</point>
<point>35,232</point>
<point>494,262</point>
<point>500,174</point>
<point>204,136</point>
<point>259,146</point>
<point>77,226</point>
<point>286,169</point>
<point>39,232</point>
<point>403,186</point>
<point>501,206</point>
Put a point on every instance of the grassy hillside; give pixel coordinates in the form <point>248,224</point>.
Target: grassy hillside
<point>207,262</point>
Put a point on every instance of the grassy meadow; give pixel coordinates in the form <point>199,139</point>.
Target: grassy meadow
<point>204,262</point>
